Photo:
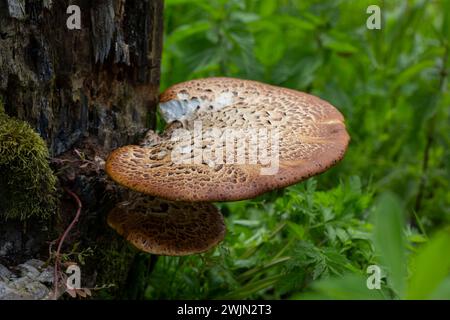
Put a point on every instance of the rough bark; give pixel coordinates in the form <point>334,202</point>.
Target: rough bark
<point>86,92</point>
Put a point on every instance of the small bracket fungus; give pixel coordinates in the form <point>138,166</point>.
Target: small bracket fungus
<point>168,228</point>
<point>230,139</point>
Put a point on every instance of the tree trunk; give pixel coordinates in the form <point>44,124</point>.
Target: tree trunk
<point>85,92</point>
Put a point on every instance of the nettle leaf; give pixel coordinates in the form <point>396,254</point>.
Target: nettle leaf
<point>297,71</point>
<point>197,4</point>
<point>340,46</point>
<point>411,73</point>
<point>267,7</point>
<point>245,17</point>
<point>430,267</point>
<point>269,48</point>
<point>186,31</point>
<point>293,23</point>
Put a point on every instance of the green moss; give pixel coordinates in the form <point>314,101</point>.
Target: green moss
<point>116,259</point>
<point>27,184</point>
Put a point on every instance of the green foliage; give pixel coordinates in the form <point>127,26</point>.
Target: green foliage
<point>391,84</point>
<point>430,269</point>
<point>390,240</point>
<point>275,247</point>
<point>347,287</point>
<point>316,239</point>
<point>429,264</point>
<point>27,184</point>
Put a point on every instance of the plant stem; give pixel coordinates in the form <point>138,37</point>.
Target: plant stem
<point>61,241</point>
<point>430,133</point>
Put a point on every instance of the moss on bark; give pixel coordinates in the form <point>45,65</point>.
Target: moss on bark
<point>27,183</point>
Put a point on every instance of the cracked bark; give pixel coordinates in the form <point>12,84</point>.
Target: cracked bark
<point>92,90</point>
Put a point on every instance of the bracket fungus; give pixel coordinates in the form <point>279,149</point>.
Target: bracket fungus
<point>230,139</point>
<point>168,228</point>
<point>226,139</point>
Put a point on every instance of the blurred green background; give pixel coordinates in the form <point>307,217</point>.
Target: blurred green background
<point>386,204</point>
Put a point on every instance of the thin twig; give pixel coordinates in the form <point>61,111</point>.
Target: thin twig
<point>66,232</point>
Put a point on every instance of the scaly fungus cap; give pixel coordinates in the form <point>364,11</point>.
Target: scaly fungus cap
<point>286,136</point>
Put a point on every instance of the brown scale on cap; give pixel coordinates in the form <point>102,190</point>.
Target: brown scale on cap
<point>312,135</point>
<point>168,228</point>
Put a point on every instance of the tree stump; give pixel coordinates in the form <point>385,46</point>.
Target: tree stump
<point>85,92</point>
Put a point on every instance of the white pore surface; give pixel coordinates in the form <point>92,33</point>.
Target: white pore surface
<point>184,108</point>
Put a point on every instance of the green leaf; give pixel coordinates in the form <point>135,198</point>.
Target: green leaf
<point>342,235</point>
<point>390,241</point>
<point>297,230</point>
<point>352,287</point>
<point>247,223</point>
<point>178,2</point>
<point>244,17</point>
<point>443,291</point>
<point>269,49</point>
<point>267,7</point>
<point>339,44</point>
<point>296,24</point>
<point>410,73</point>
<point>417,238</point>
<point>253,287</point>
<point>186,31</point>
<point>430,266</point>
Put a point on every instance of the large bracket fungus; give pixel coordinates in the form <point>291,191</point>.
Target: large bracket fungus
<point>168,228</point>
<point>312,138</point>
<point>230,139</point>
